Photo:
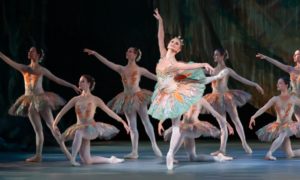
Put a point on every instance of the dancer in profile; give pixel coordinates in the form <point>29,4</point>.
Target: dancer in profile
<point>294,75</point>
<point>37,104</point>
<point>227,100</point>
<point>179,86</point>
<point>133,100</point>
<point>280,131</point>
<point>87,128</point>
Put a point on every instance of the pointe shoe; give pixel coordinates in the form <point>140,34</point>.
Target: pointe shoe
<point>131,156</point>
<point>157,151</point>
<point>221,158</point>
<point>247,149</point>
<point>115,160</point>
<point>169,161</point>
<point>35,158</point>
<point>74,163</point>
<point>217,152</point>
<point>270,158</point>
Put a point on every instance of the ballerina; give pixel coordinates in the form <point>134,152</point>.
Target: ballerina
<point>294,75</point>
<point>225,100</point>
<point>284,127</point>
<point>37,104</point>
<point>87,128</point>
<point>179,86</point>
<point>133,100</point>
<point>191,128</point>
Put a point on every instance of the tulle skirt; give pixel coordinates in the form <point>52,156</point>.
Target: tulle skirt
<point>189,90</point>
<point>125,102</point>
<point>195,129</point>
<point>39,102</point>
<point>224,102</point>
<point>91,131</point>
<point>272,130</point>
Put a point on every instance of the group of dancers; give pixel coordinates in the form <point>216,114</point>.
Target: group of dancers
<point>178,95</point>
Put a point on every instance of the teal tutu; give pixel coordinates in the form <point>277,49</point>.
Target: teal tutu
<point>174,99</point>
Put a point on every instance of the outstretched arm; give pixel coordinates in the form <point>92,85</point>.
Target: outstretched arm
<point>233,74</point>
<point>160,34</point>
<point>108,111</point>
<point>63,111</point>
<point>17,66</point>
<point>191,66</point>
<point>148,74</point>
<point>59,81</point>
<point>102,59</point>
<point>284,67</point>
<point>261,110</point>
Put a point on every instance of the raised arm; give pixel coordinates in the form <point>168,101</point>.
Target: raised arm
<point>108,111</point>
<point>17,66</point>
<point>102,59</point>
<point>284,67</point>
<point>63,111</point>
<point>148,74</point>
<point>262,110</point>
<point>59,81</point>
<point>234,75</point>
<point>160,34</point>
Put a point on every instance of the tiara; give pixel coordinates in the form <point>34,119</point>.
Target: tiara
<point>180,39</point>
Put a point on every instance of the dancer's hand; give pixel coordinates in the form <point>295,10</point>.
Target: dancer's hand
<point>126,127</point>
<point>89,51</point>
<point>157,15</point>
<point>252,121</point>
<point>160,128</point>
<point>230,129</point>
<point>260,56</point>
<point>76,89</point>
<point>208,68</point>
<point>259,89</point>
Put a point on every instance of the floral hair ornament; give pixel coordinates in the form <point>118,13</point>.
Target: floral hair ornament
<point>139,55</point>
<point>180,39</point>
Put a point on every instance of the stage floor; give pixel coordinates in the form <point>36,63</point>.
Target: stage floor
<point>55,165</point>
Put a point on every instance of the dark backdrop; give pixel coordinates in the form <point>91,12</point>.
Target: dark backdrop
<point>64,28</point>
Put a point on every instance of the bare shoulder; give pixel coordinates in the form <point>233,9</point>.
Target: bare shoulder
<point>275,99</point>
<point>97,99</point>
<point>230,70</point>
<point>75,99</point>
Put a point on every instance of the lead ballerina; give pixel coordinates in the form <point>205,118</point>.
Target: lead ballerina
<point>179,86</point>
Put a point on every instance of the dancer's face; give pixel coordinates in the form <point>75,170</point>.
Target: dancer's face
<point>296,56</point>
<point>218,57</point>
<point>33,54</point>
<point>175,45</point>
<point>83,84</point>
<point>131,54</point>
<point>281,85</point>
